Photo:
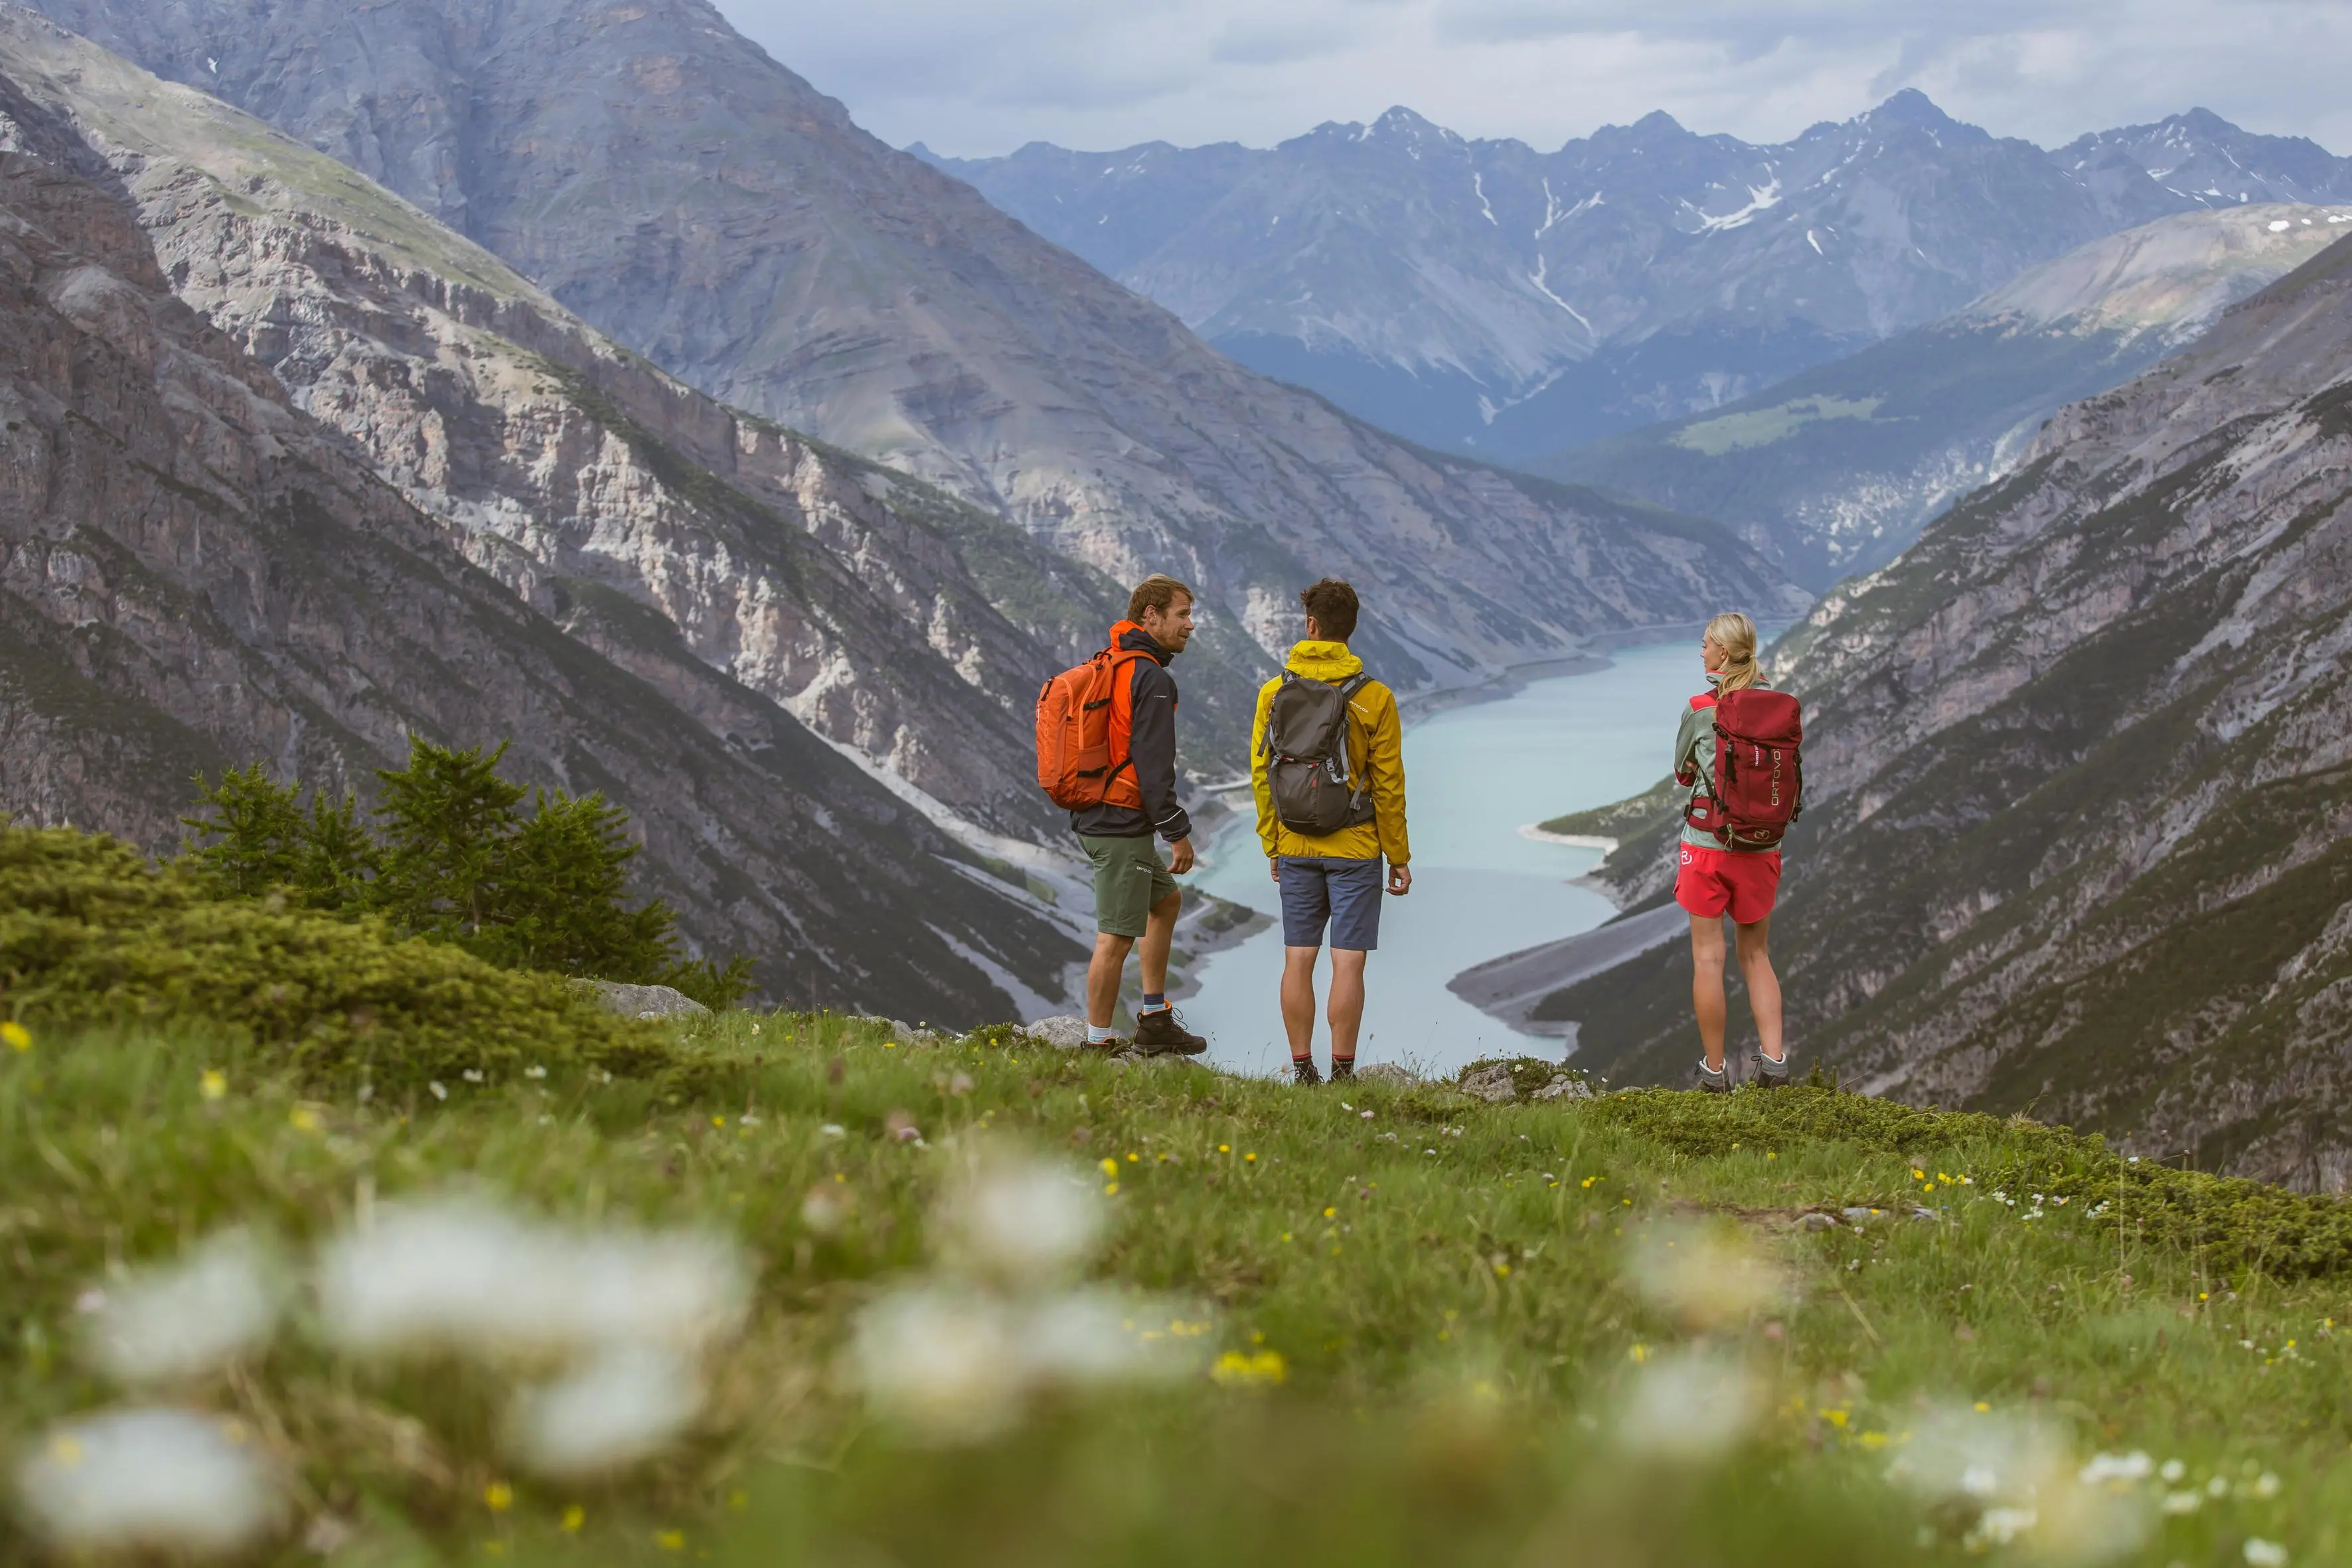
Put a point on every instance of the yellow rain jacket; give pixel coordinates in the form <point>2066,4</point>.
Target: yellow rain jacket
<point>1375,746</point>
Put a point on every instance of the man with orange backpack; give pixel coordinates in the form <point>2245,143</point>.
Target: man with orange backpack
<point>1107,750</point>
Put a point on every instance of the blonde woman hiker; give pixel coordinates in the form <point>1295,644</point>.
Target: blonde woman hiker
<point>1737,752</point>
<point>1326,765</point>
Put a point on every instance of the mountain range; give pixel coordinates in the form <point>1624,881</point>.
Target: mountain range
<point>1834,471</point>
<point>2079,781</point>
<point>1484,296</point>
<point>662,178</point>
<point>197,571</point>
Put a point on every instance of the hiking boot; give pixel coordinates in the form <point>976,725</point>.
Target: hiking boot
<point>1302,1070</point>
<point>1159,1033</point>
<point>1110,1048</point>
<point>1770,1074</point>
<point>1712,1081</point>
<point>1343,1070</point>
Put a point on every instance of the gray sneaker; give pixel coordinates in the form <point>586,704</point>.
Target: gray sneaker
<point>1770,1074</point>
<point>1712,1081</point>
<point>1160,1033</point>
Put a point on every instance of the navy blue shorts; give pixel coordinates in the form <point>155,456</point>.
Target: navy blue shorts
<point>1347,893</point>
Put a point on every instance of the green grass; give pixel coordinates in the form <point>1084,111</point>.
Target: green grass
<point>1445,1284</point>
<point>1764,427</point>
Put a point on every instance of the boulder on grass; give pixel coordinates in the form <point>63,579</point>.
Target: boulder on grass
<point>1062,1033</point>
<point>645,1001</point>
<point>1491,1083</point>
<point>1389,1073</point>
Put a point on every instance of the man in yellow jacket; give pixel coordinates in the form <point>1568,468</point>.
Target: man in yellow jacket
<point>1330,878</point>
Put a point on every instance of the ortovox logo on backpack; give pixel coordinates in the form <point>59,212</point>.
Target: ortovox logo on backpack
<point>1083,718</point>
<point>1307,748</point>
<point>1759,776</point>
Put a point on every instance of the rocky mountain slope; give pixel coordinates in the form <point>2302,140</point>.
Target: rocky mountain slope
<point>891,619</point>
<point>194,573</point>
<point>1485,296</point>
<point>2080,765</point>
<point>1835,471</point>
<point>662,177</point>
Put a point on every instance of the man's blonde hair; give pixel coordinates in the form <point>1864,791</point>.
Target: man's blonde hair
<point>1735,634</point>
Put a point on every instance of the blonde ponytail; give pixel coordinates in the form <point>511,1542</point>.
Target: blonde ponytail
<point>1735,634</point>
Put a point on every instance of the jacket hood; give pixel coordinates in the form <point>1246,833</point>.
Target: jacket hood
<point>1126,633</point>
<point>1322,661</point>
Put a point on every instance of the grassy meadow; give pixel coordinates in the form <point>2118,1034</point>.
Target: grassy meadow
<point>1363,1324</point>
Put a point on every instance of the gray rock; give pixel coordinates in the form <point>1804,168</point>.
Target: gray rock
<point>645,1001</point>
<point>1857,1216</point>
<point>1492,1084</point>
<point>1389,1073</point>
<point>1818,1220</point>
<point>1564,1087</point>
<point>1062,1032</point>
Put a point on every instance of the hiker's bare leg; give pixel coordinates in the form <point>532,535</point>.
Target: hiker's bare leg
<point>1158,934</point>
<point>1706,986</point>
<point>1763,985</point>
<point>1347,1001</point>
<point>1103,973</point>
<point>1298,998</point>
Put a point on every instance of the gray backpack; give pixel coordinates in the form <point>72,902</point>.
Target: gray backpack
<point>1307,749</point>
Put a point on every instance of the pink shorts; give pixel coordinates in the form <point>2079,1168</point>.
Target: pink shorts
<point>1712,881</point>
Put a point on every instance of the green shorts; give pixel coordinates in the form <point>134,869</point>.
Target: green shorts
<point>1129,877</point>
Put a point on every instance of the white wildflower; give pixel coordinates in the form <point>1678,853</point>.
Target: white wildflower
<point>1019,1221</point>
<point>942,1363</point>
<point>167,1481</point>
<point>1094,1337</point>
<point>2000,1526</point>
<point>1689,1404</point>
<point>183,1319</point>
<point>2183,1502</point>
<point>2261,1553</point>
<point>2172,1471</point>
<point>1706,1274</point>
<point>626,1403</point>
<point>463,1273</point>
<point>2116,1470</point>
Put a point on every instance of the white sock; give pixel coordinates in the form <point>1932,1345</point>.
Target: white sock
<point>1711,1072</point>
<point>1096,1034</point>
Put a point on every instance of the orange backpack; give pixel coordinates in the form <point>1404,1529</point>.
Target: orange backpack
<point>1083,720</point>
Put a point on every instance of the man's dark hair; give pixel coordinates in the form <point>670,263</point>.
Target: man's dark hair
<point>1333,605</point>
<point>1156,592</point>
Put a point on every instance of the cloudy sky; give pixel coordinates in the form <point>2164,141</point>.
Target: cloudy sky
<point>974,76</point>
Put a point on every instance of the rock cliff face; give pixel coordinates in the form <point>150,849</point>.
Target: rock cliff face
<point>1837,471</point>
<point>195,572</point>
<point>1489,296</point>
<point>2079,766</point>
<point>595,486</point>
<point>659,175</point>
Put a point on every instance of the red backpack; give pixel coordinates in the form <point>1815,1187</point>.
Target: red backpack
<point>1759,773</point>
<point>1082,721</point>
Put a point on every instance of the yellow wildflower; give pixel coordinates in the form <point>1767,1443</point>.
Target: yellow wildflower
<point>301,1119</point>
<point>1224,1148</point>
<point>670,1540</point>
<point>214,1084</point>
<point>1109,1166</point>
<point>573,1518</point>
<point>17,1037</point>
<point>500,1496</point>
<point>1235,1369</point>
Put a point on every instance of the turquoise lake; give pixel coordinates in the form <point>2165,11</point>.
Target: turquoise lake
<point>1474,776</point>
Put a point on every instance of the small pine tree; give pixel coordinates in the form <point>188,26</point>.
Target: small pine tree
<point>558,903</point>
<point>447,819</point>
<point>338,860</point>
<point>254,828</point>
<point>454,857</point>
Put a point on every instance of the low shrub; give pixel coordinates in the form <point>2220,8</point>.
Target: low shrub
<point>91,933</point>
